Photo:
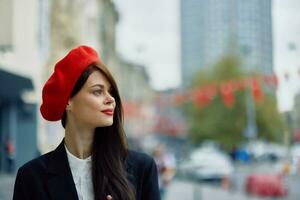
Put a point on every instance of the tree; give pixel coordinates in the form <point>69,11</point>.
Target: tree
<point>223,116</point>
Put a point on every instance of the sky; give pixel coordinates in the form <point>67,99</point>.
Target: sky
<point>148,34</point>
<point>286,32</point>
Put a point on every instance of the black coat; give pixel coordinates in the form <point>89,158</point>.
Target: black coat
<point>49,177</point>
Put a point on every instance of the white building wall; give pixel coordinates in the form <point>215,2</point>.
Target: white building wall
<point>23,58</point>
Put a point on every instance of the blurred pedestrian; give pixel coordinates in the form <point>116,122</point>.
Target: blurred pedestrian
<point>10,155</point>
<point>166,165</point>
<point>92,162</point>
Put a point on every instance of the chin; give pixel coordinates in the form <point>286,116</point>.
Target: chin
<point>105,124</point>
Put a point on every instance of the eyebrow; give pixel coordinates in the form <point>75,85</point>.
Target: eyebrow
<point>100,85</point>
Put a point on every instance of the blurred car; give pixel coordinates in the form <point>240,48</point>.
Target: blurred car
<point>263,185</point>
<point>264,151</point>
<point>207,164</point>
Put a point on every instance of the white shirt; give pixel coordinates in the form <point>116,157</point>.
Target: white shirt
<point>82,175</point>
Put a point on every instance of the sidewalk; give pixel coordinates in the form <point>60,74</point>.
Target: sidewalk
<point>185,190</point>
<point>177,190</point>
<point>6,186</point>
<point>181,190</point>
<point>191,191</point>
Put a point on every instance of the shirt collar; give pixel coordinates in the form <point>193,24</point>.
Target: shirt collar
<point>77,164</point>
<point>79,167</point>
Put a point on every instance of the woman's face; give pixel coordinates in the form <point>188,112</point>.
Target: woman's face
<point>93,105</point>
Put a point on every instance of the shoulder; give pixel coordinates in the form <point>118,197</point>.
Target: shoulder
<point>145,175</point>
<point>139,158</point>
<point>30,176</point>
<point>140,163</point>
<point>36,165</point>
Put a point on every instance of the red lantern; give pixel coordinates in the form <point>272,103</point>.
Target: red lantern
<point>227,90</point>
<point>204,95</point>
<point>200,97</point>
<point>256,90</point>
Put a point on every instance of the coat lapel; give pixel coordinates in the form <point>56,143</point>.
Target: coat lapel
<point>60,183</point>
<point>130,171</point>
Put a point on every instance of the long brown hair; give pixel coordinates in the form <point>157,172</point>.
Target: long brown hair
<point>109,150</point>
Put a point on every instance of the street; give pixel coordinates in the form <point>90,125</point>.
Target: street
<point>6,186</point>
<point>187,190</point>
<point>191,191</point>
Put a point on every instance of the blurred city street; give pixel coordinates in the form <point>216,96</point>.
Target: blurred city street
<point>188,190</point>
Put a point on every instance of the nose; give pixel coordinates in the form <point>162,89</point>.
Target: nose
<point>109,99</point>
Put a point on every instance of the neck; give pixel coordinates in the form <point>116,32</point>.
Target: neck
<point>79,140</point>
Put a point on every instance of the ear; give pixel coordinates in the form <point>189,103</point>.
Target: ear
<point>69,105</point>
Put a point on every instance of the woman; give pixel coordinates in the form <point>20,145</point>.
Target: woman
<point>92,161</point>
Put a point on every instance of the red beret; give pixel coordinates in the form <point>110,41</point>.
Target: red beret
<point>59,86</point>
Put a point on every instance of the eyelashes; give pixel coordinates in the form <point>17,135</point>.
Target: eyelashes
<point>97,92</point>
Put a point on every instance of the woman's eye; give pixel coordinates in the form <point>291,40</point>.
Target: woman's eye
<point>97,92</point>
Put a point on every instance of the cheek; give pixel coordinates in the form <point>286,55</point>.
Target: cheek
<point>93,104</point>
<point>88,107</point>
<point>94,108</point>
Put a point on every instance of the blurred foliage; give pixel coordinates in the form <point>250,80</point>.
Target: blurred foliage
<point>225,125</point>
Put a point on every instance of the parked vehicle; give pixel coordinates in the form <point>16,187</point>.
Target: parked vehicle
<point>266,185</point>
<point>207,164</point>
<point>264,151</point>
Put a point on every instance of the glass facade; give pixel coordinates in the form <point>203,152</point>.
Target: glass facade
<point>212,28</point>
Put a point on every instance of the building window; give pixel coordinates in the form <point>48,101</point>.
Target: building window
<point>6,21</point>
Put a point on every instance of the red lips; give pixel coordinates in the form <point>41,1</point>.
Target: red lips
<point>108,112</point>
